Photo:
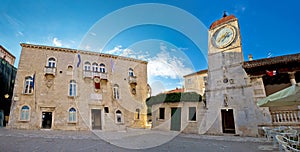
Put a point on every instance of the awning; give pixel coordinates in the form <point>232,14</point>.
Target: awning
<point>286,97</point>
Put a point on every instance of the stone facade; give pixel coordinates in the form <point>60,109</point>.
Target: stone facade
<point>196,82</point>
<point>230,106</point>
<point>69,89</point>
<point>186,125</point>
<point>7,56</point>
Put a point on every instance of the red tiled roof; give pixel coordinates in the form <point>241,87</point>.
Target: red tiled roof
<point>177,90</point>
<point>222,20</point>
<point>272,61</point>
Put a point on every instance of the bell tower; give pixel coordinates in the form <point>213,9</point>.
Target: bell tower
<point>230,106</point>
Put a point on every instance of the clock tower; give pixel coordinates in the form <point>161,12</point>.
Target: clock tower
<point>229,108</point>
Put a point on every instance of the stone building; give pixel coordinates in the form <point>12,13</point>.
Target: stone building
<point>233,87</point>
<point>69,89</point>
<point>7,78</point>
<point>195,82</point>
<point>4,54</point>
<point>177,111</point>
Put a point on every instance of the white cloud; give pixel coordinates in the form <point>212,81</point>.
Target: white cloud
<point>56,42</point>
<point>118,50</point>
<point>167,66</point>
<point>239,9</point>
<point>19,33</point>
<point>167,63</point>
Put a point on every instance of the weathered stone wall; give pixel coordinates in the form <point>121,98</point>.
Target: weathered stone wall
<point>186,125</point>
<point>195,83</point>
<point>51,92</point>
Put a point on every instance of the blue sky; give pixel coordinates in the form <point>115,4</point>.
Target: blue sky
<point>266,27</point>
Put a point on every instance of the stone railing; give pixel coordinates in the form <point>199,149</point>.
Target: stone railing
<point>87,74</point>
<point>102,76</point>
<point>286,117</point>
<point>132,80</point>
<point>50,70</point>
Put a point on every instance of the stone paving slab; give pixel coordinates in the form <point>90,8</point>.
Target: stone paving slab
<point>134,139</point>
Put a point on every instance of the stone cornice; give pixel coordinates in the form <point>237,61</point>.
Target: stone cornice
<point>25,45</point>
<point>7,52</point>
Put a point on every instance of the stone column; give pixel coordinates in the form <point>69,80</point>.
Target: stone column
<point>292,77</point>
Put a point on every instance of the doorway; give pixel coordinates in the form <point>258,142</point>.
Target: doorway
<point>228,125</point>
<point>176,119</point>
<point>46,120</point>
<point>96,119</point>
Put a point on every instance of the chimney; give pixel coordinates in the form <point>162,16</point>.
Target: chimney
<point>250,57</point>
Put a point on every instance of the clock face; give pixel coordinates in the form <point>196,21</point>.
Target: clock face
<point>224,36</point>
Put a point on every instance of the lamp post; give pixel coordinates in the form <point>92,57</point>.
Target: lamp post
<point>6,96</point>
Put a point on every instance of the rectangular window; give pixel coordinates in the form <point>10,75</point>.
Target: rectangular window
<point>72,116</point>
<point>192,113</point>
<point>137,114</point>
<point>161,113</point>
<point>189,81</point>
<point>72,88</point>
<point>29,84</point>
<point>116,92</point>
<point>106,109</point>
<point>24,113</point>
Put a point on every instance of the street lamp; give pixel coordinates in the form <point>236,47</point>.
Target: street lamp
<point>6,96</point>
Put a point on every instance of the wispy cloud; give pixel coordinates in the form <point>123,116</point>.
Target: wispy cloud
<point>166,63</point>
<point>19,33</point>
<point>56,42</point>
<point>240,9</point>
<point>120,51</point>
<point>12,21</point>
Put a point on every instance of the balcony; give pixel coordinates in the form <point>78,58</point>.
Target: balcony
<point>50,71</point>
<point>287,117</point>
<point>132,80</point>
<point>103,76</point>
<point>87,74</point>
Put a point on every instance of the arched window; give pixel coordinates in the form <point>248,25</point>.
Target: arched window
<point>72,89</point>
<point>116,92</point>
<point>95,67</point>
<point>102,68</point>
<point>119,116</point>
<point>51,63</point>
<point>87,66</point>
<point>28,86</point>
<point>130,72</point>
<point>137,114</point>
<point>70,68</point>
<point>72,115</point>
<point>24,113</point>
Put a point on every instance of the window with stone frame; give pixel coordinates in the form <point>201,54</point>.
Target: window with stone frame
<point>51,63</point>
<point>130,72</point>
<point>119,116</point>
<point>72,88</point>
<point>116,93</point>
<point>25,113</point>
<point>137,114</point>
<point>102,68</point>
<point>161,113</point>
<point>72,115</point>
<point>192,114</point>
<point>95,67</point>
<point>28,86</point>
<point>87,66</point>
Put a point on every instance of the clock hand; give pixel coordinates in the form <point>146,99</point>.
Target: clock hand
<point>222,37</point>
